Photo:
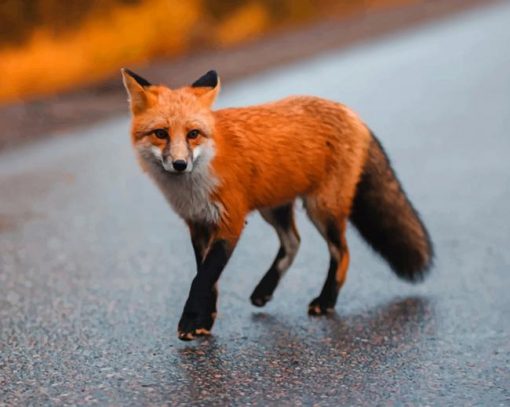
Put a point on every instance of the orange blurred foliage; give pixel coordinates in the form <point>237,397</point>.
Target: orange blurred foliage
<point>243,24</point>
<point>55,55</point>
<point>48,63</point>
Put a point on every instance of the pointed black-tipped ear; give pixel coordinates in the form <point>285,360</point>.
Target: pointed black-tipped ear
<point>141,81</point>
<point>136,89</point>
<point>209,80</point>
<point>207,88</point>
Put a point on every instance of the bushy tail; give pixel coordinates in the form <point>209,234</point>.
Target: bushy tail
<point>387,220</point>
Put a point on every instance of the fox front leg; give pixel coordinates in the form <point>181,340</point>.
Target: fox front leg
<point>201,234</point>
<point>200,309</point>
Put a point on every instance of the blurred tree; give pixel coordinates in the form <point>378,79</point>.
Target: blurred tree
<point>102,35</point>
<point>16,19</point>
<point>19,18</point>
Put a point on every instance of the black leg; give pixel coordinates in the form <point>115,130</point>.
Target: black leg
<point>326,300</point>
<point>200,237</point>
<point>339,262</point>
<point>282,219</point>
<point>200,309</point>
<point>265,288</point>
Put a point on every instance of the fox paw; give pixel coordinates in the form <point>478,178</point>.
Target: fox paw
<point>193,325</point>
<point>259,299</point>
<point>320,307</point>
<point>263,292</point>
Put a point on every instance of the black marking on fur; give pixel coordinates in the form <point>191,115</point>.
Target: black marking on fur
<point>326,300</point>
<point>209,80</point>
<point>141,81</point>
<point>333,234</point>
<point>200,236</point>
<point>214,262</point>
<point>329,293</point>
<point>265,288</point>
<point>283,216</point>
<point>387,220</point>
<point>330,289</point>
<point>200,308</point>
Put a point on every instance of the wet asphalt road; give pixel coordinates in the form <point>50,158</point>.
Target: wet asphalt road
<point>94,268</point>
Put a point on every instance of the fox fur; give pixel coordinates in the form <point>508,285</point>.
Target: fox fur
<point>216,166</point>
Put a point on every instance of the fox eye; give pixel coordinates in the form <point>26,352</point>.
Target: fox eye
<point>192,134</point>
<point>161,133</point>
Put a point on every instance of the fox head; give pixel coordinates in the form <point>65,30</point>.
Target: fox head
<point>172,127</point>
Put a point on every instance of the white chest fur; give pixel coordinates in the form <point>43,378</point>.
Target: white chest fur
<point>188,193</point>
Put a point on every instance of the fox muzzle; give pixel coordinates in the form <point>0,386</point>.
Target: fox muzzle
<point>179,165</point>
<point>177,158</point>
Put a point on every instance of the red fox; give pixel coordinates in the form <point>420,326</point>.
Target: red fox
<point>215,167</point>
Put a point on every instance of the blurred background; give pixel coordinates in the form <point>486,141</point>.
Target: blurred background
<point>73,43</point>
<point>60,59</point>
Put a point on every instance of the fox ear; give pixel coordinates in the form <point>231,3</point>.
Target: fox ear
<point>136,89</point>
<point>207,88</point>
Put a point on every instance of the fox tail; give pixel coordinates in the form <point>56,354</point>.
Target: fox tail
<point>387,220</point>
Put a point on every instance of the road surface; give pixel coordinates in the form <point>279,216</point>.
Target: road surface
<point>95,268</point>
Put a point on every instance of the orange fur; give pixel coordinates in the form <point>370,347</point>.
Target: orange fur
<point>271,154</point>
<point>266,155</point>
<point>215,167</point>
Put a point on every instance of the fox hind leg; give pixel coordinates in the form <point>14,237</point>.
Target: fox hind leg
<point>282,219</point>
<point>332,227</point>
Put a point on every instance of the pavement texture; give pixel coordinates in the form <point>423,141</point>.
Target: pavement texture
<point>95,268</point>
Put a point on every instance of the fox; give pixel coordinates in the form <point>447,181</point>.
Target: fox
<point>214,167</point>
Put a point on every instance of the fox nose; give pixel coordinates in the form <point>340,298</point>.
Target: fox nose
<point>179,165</point>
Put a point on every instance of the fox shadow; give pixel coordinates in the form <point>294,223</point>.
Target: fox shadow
<point>365,342</point>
